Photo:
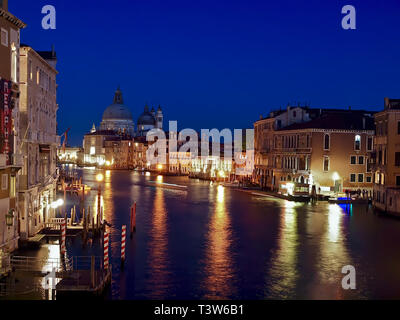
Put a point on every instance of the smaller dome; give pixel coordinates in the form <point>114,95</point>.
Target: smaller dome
<point>146,118</point>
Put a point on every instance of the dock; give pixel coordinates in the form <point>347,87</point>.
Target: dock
<point>83,283</point>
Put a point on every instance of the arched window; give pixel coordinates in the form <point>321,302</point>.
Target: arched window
<point>327,142</point>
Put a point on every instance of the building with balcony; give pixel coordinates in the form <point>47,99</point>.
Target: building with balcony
<point>39,140</point>
<point>386,164</point>
<point>9,116</point>
<point>328,150</point>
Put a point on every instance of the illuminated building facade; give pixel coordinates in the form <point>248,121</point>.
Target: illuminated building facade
<point>37,130</point>
<point>386,159</point>
<point>330,150</point>
<point>70,155</point>
<point>10,163</point>
<point>119,152</point>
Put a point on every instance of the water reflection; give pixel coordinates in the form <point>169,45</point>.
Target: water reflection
<point>158,245</point>
<point>283,273</point>
<point>333,255</point>
<point>218,264</point>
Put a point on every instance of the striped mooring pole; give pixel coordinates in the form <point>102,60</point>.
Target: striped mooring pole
<point>123,242</point>
<point>106,244</point>
<point>63,236</point>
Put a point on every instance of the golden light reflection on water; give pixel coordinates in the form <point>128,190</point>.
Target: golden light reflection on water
<point>283,271</point>
<point>218,266</point>
<point>333,255</point>
<point>158,246</point>
<point>334,216</point>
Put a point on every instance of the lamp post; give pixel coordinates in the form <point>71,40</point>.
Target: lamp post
<point>10,218</point>
<point>99,178</point>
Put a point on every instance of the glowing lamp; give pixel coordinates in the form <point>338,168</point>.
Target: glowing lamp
<point>99,177</point>
<point>10,218</point>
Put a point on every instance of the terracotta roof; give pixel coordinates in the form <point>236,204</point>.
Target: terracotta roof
<point>344,120</point>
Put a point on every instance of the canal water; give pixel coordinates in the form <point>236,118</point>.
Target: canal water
<point>213,242</point>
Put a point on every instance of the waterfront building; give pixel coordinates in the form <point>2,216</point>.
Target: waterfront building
<point>119,152</point>
<point>38,134</point>
<point>10,164</point>
<point>140,147</point>
<point>386,158</point>
<point>264,130</point>
<point>94,153</point>
<point>325,149</point>
<point>72,155</point>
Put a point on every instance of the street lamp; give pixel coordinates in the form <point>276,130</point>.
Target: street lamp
<point>10,218</point>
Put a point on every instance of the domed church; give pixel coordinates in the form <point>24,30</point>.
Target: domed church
<point>117,117</point>
<point>149,120</point>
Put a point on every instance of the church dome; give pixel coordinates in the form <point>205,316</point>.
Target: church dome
<point>117,110</point>
<point>146,118</point>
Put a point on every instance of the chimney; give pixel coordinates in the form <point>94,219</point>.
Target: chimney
<point>4,4</point>
<point>363,123</point>
<point>387,103</point>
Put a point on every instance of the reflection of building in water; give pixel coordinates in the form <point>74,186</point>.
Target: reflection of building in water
<point>333,255</point>
<point>283,270</point>
<point>218,263</point>
<point>158,244</point>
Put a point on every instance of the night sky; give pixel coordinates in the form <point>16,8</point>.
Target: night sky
<point>215,63</point>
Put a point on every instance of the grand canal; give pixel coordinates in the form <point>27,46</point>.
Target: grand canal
<point>213,242</point>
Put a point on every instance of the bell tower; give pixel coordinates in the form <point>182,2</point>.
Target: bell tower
<point>159,118</point>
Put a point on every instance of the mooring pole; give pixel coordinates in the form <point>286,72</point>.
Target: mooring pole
<point>123,242</point>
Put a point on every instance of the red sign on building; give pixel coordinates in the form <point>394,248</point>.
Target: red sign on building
<point>6,136</point>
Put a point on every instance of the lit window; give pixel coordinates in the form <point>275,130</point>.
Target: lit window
<point>92,150</point>
<point>14,63</point>
<point>12,187</point>
<point>357,142</point>
<point>326,164</point>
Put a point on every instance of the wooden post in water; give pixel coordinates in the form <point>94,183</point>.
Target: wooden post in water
<point>123,242</point>
<point>92,272</point>
<point>84,226</point>
<point>134,217</point>
<point>93,227</point>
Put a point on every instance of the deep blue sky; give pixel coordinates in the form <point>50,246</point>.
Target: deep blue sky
<point>215,63</point>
